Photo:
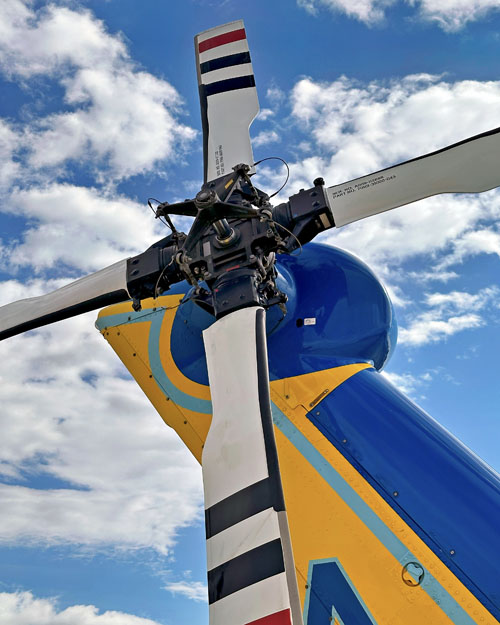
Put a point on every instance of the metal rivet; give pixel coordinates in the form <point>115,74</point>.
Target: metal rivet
<point>150,375</point>
<point>452,552</point>
<point>287,396</point>
<point>395,493</point>
<point>134,354</point>
<point>185,422</point>
<point>344,440</point>
<point>117,334</point>
<point>318,413</point>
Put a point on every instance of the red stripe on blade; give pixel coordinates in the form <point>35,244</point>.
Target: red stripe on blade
<point>278,618</point>
<point>220,40</point>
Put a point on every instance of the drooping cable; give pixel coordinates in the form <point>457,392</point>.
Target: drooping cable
<point>276,158</point>
<point>275,223</point>
<point>168,222</point>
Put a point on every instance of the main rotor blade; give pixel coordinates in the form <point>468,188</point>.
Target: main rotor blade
<point>470,166</point>
<point>251,574</point>
<point>105,287</point>
<point>228,98</point>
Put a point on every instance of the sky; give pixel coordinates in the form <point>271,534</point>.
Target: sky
<point>101,505</point>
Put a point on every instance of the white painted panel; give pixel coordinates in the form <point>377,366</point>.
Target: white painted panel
<point>229,117</point>
<point>234,454</point>
<point>113,278</point>
<point>471,167</point>
<point>227,72</point>
<point>242,537</point>
<point>251,603</point>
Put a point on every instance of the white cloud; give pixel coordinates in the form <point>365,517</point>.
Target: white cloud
<point>450,15</point>
<point>275,95</point>
<point>123,120</point>
<point>197,591</point>
<point>82,227</point>
<point>125,117</point>
<point>22,608</point>
<point>429,329</point>
<point>70,412</point>
<point>265,114</point>
<point>449,313</point>
<point>47,41</point>
<point>9,168</point>
<point>376,124</point>
<point>367,11</point>
<point>407,383</point>
<point>462,301</point>
<point>265,137</point>
<point>432,276</point>
<point>471,243</point>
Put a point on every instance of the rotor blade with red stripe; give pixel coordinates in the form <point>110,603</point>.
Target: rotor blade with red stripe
<point>251,574</point>
<point>470,166</point>
<point>228,98</point>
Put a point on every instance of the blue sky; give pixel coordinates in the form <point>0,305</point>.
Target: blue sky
<point>101,505</point>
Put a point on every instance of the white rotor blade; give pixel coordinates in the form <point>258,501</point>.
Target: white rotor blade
<point>471,166</point>
<point>228,98</point>
<point>105,287</point>
<point>251,575</point>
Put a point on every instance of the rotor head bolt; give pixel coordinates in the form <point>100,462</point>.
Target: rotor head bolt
<point>204,195</point>
<point>242,167</point>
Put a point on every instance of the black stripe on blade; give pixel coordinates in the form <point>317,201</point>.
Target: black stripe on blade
<point>231,84</point>
<point>204,126</point>
<point>116,297</point>
<point>238,507</point>
<point>249,568</point>
<point>265,411</point>
<point>225,61</point>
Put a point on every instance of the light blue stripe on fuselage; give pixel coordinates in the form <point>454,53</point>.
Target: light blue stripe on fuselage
<point>155,318</point>
<point>398,549</point>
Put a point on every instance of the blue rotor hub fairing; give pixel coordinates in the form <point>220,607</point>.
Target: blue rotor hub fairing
<point>337,312</point>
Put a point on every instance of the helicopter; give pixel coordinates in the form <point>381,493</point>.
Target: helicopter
<point>302,449</point>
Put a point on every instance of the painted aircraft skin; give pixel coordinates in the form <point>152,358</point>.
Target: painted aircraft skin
<point>392,519</point>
